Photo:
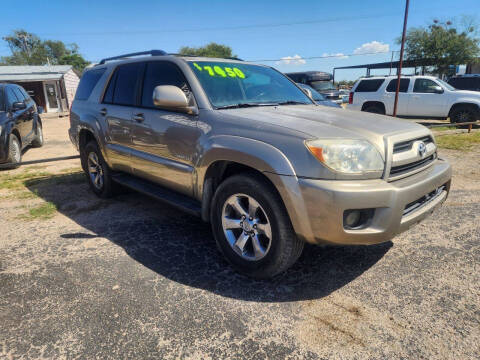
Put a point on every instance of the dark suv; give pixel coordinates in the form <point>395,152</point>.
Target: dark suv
<point>20,124</point>
<point>466,82</point>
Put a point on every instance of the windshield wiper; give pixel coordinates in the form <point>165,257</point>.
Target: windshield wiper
<point>245,105</point>
<point>290,102</point>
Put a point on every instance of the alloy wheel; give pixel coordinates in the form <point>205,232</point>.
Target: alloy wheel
<point>95,170</point>
<point>246,227</point>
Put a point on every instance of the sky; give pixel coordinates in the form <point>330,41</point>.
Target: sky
<point>256,30</point>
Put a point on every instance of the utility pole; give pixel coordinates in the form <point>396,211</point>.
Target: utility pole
<point>400,63</point>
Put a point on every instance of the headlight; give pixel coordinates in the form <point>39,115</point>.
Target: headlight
<point>347,155</point>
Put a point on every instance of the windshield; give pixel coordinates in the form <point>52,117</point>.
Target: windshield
<point>234,84</point>
<point>446,85</point>
<point>315,94</point>
<point>323,85</point>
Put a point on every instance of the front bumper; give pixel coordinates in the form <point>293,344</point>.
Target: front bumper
<point>317,206</point>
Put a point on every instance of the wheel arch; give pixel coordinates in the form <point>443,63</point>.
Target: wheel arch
<point>230,155</point>
<point>461,104</point>
<point>380,104</point>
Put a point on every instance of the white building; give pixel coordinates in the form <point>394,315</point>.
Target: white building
<point>51,86</point>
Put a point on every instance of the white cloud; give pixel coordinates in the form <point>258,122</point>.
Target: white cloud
<point>292,60</point>
<point>337,55</point>
<point>372,47</point>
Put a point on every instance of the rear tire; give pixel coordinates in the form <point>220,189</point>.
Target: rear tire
<point>38,141</point>
<point>14,152</point>
<point>259,251</point>
<point>374,109</point>
<point>464,113</point>
<point>98,173</point>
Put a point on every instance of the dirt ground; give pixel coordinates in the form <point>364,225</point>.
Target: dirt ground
<point>129,277</point>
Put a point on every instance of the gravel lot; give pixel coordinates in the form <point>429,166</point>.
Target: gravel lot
<point>133,278</point>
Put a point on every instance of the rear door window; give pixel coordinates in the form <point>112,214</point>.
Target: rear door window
<point>161,73</point>
<point>370,85</point>
<point>127,80</point>
<point>392,85</point>
<point>87,83</point>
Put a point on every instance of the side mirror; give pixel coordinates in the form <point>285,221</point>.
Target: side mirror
<point>438,90</point>
<point>171,97</point>
<point>307,92</point>
<point>18,105</point>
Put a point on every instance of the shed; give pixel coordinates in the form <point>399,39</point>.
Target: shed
<point>51,86</point>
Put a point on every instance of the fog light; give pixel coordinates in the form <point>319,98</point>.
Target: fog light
<point>356,219</point>
<point>352,217</point>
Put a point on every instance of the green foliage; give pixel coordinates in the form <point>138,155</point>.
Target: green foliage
<point>29,49</point>
<point>345,83</point>
<point>444,44</point>
<point>209,50</point>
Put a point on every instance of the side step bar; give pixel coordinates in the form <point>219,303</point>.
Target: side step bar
<point>180,201</point>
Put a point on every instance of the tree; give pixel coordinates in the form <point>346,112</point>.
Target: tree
<point>442,44</point>
<point>209,50</point>
<point>29,49</point>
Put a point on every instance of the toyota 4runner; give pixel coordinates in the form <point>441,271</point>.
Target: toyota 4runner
<point>241,146</point>
<point>419,97</point>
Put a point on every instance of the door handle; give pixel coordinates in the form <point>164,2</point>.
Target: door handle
<point>103,112</point>
<point>138,117</point>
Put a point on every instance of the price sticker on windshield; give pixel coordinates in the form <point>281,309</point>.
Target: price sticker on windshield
<point>220,71</point>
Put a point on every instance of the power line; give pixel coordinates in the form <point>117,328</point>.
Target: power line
<point>239,27</point>
<point>321,57</point>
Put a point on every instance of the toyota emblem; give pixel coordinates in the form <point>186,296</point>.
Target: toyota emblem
<point>422,149</point>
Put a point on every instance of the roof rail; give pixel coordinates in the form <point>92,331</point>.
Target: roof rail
<point>149,52</point>
<point>220,57</point>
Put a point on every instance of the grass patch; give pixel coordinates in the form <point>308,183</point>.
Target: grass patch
<point>17,181</point>
<point>41,212</point>
<point>462,142</point>
<point>443,128</point>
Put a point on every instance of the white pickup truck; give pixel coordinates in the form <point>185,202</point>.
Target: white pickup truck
<point>419,97</point>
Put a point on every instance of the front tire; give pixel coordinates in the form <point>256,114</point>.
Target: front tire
<point>252,228</point>
<point>97,171</point>
<point>463,114</point>
<point>14,152</point>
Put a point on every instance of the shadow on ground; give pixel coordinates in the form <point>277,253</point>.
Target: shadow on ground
<point>181,247</point>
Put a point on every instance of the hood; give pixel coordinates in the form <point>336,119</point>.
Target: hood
<point>327,122</point>
<point>469,93</point>
<point>327,103</point>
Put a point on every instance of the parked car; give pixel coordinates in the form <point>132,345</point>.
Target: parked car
<point>20,125</point>
<point>242,147</point>
<point>320,81</point>
<point>419,97</point>
<point>317,97</point>
<point>466,82</point>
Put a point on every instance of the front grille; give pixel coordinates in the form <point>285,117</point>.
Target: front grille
<point>402,169</point>
<point>407,145</point>
<point>409,208</point>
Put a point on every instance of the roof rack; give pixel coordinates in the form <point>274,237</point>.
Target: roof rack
<point>222,57</point>
<point>150,52</point>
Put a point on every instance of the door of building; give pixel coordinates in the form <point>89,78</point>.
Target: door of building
<point>51,96</point>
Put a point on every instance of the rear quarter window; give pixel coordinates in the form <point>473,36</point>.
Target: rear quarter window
<point>87,83</point>
<point>371,85</point>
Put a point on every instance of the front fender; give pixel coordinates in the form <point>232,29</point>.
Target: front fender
<point>264,158</point>
<point>249,152</point>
